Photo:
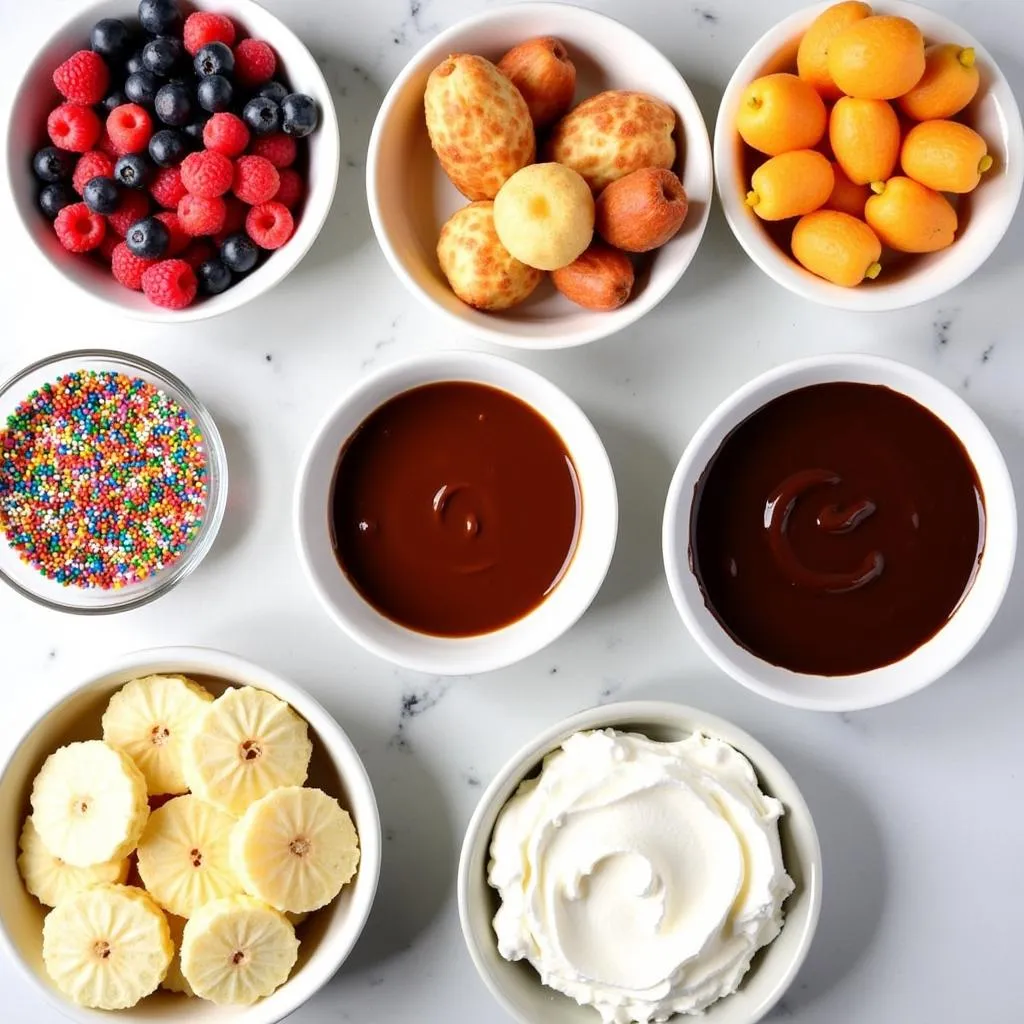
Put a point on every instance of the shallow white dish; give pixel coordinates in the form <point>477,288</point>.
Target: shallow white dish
<point>517,987</point>
<point>559,610</point>
<point>990,208</point>
<point>327,937</point>
<point>36,96</point>
<point>410,197</point>
<point>933,658</point>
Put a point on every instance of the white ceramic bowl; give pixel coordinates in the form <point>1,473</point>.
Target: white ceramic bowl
<point>518,988</point>
<point>933,658</point>
<point>327,937</point>
<point>989,209</point>
<point>36,97</point>
<point>410,197</point>
<point>559,610</point>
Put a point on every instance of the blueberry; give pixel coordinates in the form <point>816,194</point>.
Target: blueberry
<point>167,148</point>
<point>273,91</point>
<point>141,88</point>
<point>111,39</point>
<point>133,65</point>
<point>53,198</point>
<point>239,252</point>
<point>52,164</point>
<point>299,115</point>
<point>147,238</point>
<point>159,17</point>
<point>214,277</point>
<point>101,195</point>
<point>194,133</point>
<point>173,105</point>
<point>214,93</point>
<point>263,116</point>
<point>161,55</point>
<point>110,103</point>
<point>132,171</point>
<point>214,59</point>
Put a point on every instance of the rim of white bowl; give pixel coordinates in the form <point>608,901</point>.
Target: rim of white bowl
<point>849,692</point>
<point>232,668</point>
<point>879,297</point>
<point>457,655</point>
<point>640,305</point>
<point>315,210</point>
<point>638,714</point>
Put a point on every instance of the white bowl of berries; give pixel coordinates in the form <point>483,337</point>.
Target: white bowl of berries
<point>176,160</point>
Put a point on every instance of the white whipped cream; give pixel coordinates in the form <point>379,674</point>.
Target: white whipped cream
<point>638,877</point>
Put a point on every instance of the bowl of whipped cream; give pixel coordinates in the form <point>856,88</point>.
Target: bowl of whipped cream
<point>636,862</point>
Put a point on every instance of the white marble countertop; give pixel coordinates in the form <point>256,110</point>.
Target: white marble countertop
<point>918,804</point>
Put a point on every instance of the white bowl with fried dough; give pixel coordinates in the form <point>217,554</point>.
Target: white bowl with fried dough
<point>326,938</point>
<point>410,197</point>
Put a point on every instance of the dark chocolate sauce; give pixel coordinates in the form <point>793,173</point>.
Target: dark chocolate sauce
<point>455,509</point>
<point>837,529</point>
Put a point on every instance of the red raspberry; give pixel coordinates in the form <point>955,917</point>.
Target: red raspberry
<point>129,127</point>
<point>256,179</point>
<point>208,174</point>
<point>234,220</point>
<point>255,62</point>
<point>291,189</point>
<point>205,27</point>
<point>78,228</point>
<point>279,149</point>
<point>105,252</point>
<point>269,225</point>
<point>199,216</point>
<point>166,187</point>
<point>73,127</point>
<point>106,144</point>
<point>227,134</point>
<point>198,252</point>
<point>179,237</point>
<point>170,283</point>
<point>93,164</point>
<point>133,206</point>
<point>82,78</point>
<point>128,268</point>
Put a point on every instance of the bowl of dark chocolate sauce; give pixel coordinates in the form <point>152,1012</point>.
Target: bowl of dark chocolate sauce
<point>456,513</point>
<point>840,532</point>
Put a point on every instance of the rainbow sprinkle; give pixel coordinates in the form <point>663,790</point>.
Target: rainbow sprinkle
<point>103,480</point>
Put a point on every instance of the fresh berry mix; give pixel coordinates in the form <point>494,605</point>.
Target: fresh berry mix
<point>183,139</point>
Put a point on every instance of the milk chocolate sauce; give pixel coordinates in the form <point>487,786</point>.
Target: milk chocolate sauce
<point>837,529</point>
<point>455,509</point>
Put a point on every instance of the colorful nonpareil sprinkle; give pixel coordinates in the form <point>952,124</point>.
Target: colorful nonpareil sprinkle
<point>103,480</point>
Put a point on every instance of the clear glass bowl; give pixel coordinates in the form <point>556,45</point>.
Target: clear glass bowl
<point>29,581</point>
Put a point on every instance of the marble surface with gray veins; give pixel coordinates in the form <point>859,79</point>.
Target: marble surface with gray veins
<point>918,804</point>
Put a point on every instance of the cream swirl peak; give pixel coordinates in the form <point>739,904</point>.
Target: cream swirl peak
<point>639,877</point>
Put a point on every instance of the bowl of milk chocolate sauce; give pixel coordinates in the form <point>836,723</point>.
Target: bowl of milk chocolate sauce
<point>840,532</point>
<point>456,513</point>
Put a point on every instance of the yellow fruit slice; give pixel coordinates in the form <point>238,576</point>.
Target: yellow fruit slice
<point>950,81</point>
<point>183,855</point>
<point>945,156</point>
<point>837,247</point>
<point>780,112</point>
<point>89,803</point>
<point>50,879</point>
<point>812,56</point>
<point>237,950</point>
<point>910,217</point>
<point>877,58</point>
<point>107,947</point>
<point>148,719</point>
<point>790,185</point>
<point>865,138</point>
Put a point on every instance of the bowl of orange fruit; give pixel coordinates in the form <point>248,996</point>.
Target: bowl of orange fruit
<point>869,157</point>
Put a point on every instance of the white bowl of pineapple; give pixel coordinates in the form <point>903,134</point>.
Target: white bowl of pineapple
<point>194,835</point>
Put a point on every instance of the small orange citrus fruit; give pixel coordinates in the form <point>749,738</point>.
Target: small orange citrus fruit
<point>945,156</point>
<point>779,113</point>
<point>910,217</point>
<point>837,247</point>
<point>949,83</point>
<point>847,197</point>
<point>877,58</point>
<point>790,185</point>
<point>865,138</point>
<point>812,56</point>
